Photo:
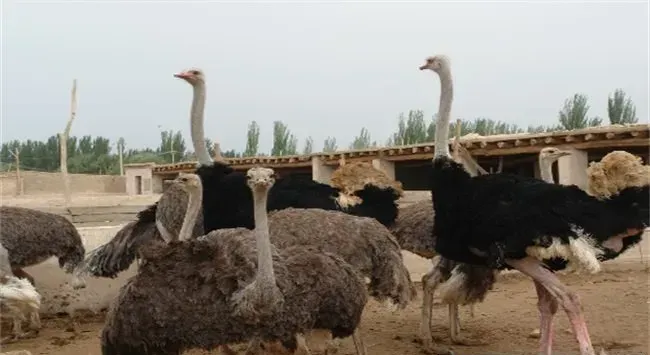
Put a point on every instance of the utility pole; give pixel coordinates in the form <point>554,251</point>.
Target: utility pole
<point>171,148</point>
<point>120,151</point>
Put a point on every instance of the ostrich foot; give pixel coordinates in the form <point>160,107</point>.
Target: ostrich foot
<point>462,340</point>
<point>16,337</point>
<point>430,347</point>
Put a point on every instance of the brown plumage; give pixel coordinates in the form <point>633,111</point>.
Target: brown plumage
<point>362,242</point>
<point>33,236</point>
<point>180,298</point>
<point>186,293</point>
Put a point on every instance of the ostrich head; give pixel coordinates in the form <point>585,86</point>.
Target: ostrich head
<point>552,154</point>
<point>435,63</point>
<point>189,182</point>
<point>192,76</point>
<point>260,178</point>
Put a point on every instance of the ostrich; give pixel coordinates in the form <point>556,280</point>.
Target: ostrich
<point>413,229</point>
<point>225,192</point>
<point>501,220</point>
<point>210,293</point>
<point>32,236</point>
<point>17,298</point>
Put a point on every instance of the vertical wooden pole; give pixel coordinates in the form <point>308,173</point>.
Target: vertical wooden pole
<point>19,181</point>
<point>63,143</point>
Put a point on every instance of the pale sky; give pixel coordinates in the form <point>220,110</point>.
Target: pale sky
<point>324,69</point>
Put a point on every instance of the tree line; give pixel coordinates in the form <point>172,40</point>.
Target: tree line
<point>98,155</point>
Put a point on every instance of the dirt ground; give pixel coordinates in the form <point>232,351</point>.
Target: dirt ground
<point>615,303</point>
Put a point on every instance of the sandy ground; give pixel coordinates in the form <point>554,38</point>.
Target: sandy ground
<point>615,303</point>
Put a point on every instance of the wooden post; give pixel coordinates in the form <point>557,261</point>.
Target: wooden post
<point>19,181</point>
<point>63,143</point>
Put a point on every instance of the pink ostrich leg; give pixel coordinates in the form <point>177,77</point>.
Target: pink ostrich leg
<point>565,297</point>
<point>547,305</point>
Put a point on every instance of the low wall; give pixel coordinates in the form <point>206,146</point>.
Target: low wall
<point>35,183</point>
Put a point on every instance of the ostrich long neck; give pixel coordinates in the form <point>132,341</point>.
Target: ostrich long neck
<point>195,197</point>
<point>546,170</point>
<point>196,123</point>
<point>444,111</point>
<point>265,274</point>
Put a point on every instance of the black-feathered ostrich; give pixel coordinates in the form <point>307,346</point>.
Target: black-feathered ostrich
<point>31,237</point>
<point>225,192</point>
<point>502,220</point>
<point>230,287</point>
<point>461,284</point>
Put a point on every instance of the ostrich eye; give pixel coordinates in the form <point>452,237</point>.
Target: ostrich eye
<point>195,72</point>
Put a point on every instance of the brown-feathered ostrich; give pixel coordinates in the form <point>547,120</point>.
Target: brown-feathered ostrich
<point>226,193</point>
<point>508,221</point>
<point>207,292</point>
<point>33,236</point>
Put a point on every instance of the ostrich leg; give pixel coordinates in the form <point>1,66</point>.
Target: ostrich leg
<point>547,308</point>
<point>565,297</point>
<point>430,282</point>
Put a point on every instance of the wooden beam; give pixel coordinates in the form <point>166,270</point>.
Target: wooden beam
<point>631,142</point>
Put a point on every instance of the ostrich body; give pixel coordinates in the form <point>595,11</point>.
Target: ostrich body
<point>502,220</point>
<point>226,194</point>
<point>210,292</point>
<point>32,236</point>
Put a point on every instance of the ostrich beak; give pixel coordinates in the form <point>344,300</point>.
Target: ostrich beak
<point>422,67</point>
<point>181,75</point>
<point>563,153</point>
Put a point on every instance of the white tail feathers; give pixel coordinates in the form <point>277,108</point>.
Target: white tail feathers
<point>19,290</point>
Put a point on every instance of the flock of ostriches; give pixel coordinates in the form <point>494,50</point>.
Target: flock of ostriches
<point>227,257</point>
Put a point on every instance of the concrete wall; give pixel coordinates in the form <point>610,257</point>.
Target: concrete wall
<point>40,183</point>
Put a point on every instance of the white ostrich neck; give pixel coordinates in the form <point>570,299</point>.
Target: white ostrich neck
<point>444,114</point>
<point>265,274</point>
<point>196,123</point>
<point>194,201</point>
<point>546,170</point>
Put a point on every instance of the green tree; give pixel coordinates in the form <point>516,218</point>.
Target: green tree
<point>284,143</point>
<point>231,154</point>
<point>252,139</point>
<point>330,145</point>
<point>172,146</point>
<point>574,114</point>
<point>410,130</point>
<point>620,108</point>
<point>309,146</point>
<point>362,141</point>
